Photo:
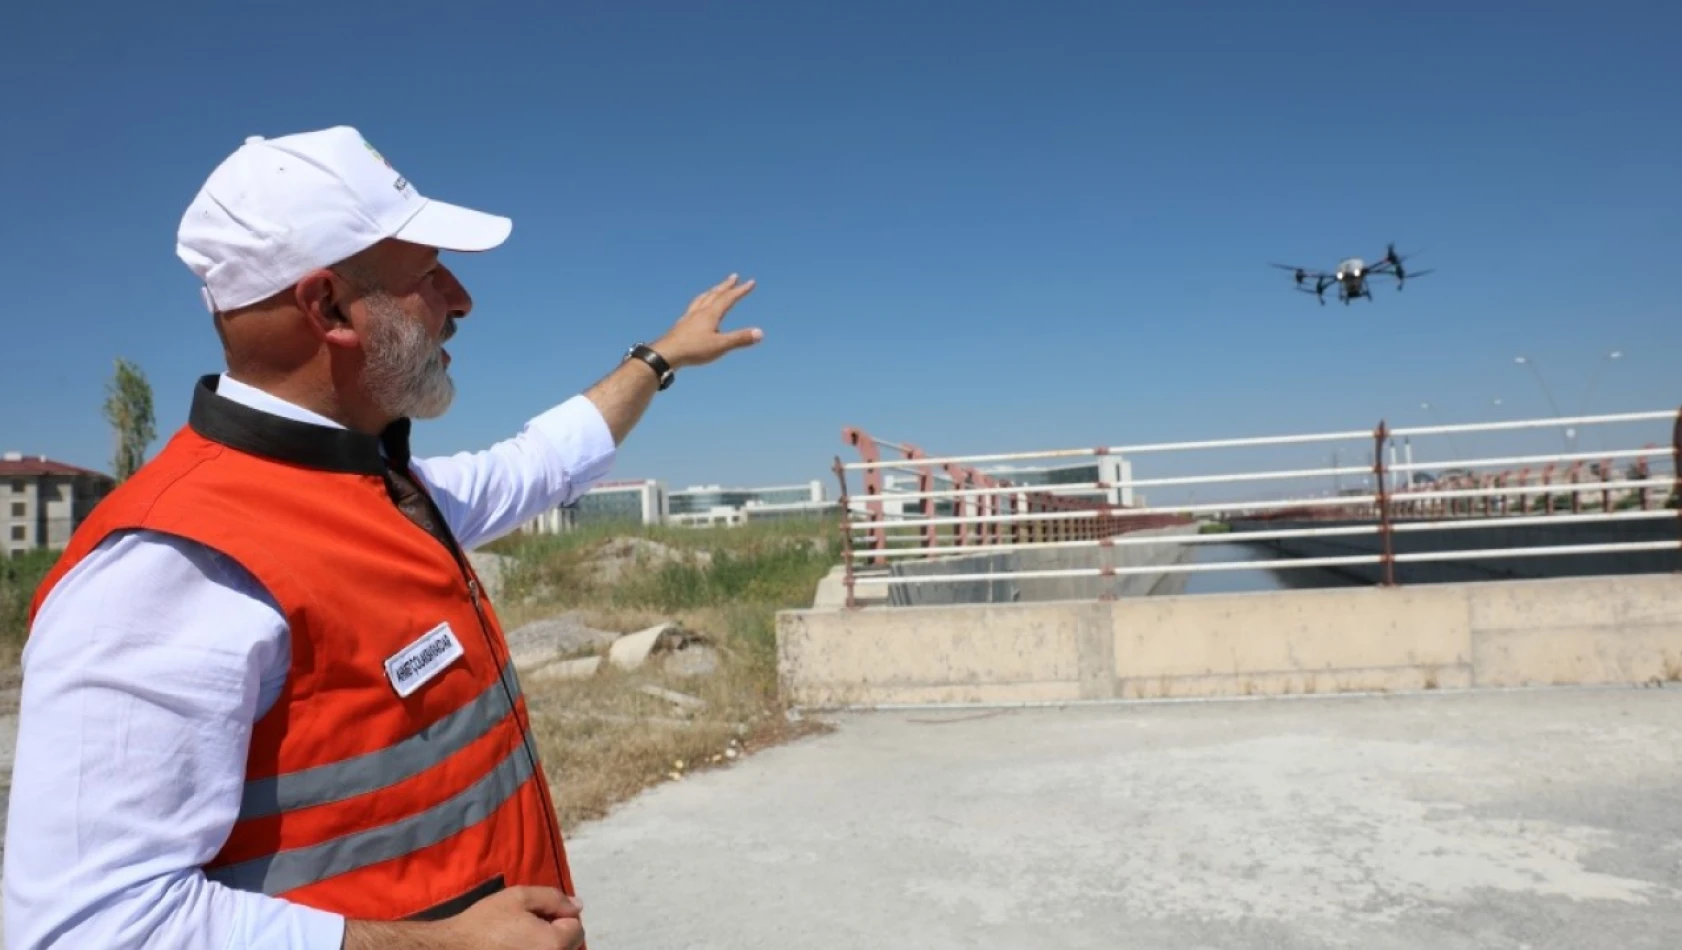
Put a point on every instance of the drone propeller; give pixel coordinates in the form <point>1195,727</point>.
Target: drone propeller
<point>1301,275</point>
<point>1391,257</point>
<point>1400,279</point>
<point>1394,261</point>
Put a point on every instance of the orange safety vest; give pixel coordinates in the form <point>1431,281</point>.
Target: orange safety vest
<point>395,776</point>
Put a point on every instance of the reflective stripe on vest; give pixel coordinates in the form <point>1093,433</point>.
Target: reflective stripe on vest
<point>276,874</point>
<point>338,781</point>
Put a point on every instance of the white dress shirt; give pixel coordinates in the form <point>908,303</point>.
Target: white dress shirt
<point>143,675</point>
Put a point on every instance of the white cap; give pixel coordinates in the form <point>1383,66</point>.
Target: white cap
<point>277,209</point>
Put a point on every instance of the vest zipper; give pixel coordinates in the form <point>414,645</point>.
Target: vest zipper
<point>473,591</point>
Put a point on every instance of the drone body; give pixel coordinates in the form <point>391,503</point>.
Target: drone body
<point>1352,276</point>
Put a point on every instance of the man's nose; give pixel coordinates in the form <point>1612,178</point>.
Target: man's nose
<point>456,297</point>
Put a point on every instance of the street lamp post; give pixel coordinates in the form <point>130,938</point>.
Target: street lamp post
<point>1452,445</point>
<point>1570,434</point>
<point>1599,368</point>
<point>1588,393</point>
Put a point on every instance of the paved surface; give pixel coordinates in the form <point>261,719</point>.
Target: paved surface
<point>1492,820</point>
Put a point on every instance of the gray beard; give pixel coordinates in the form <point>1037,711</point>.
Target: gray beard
<point>405,372</point>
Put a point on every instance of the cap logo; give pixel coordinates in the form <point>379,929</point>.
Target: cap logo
<point>401,184</point>
<point>375,152</point>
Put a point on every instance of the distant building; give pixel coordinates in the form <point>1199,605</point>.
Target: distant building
<point>618,502</point>
<point>648,502</point>
<point>785,511</point>
<point>705,505</point>
<point>42,502</point>
<point>1113,470</point>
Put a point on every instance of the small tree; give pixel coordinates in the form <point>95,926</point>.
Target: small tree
<point>128,407</point>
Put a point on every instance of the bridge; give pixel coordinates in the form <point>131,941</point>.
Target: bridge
<point>1045,577</point>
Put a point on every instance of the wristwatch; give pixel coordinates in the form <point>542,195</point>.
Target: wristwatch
<point>655,361</point>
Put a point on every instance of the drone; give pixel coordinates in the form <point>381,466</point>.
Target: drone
<point>1352,275</point>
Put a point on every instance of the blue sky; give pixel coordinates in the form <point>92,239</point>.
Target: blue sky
<point>980,227</point>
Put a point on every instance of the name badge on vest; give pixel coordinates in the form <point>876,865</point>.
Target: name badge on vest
<point>416,664</point>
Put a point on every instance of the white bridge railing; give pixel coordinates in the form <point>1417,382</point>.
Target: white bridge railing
<point>914,507</point>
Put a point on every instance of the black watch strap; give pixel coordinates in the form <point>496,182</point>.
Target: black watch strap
<point>658,363</point>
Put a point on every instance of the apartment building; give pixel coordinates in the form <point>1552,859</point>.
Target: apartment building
<point>42,502</point>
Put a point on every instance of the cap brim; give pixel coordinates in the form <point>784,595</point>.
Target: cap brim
<point>453,228</point>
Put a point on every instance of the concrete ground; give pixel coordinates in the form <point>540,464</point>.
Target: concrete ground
<point>1456,820</point>
<point>1453,820</point>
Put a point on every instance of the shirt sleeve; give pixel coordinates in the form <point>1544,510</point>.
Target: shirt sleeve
<point>142,676</point>
<point>554,459</point>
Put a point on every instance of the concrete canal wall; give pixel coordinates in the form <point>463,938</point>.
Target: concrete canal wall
<point>1497,537</point>
<point>1007,589</point>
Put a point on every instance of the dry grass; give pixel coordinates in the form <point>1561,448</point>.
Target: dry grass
<point>602,739</point>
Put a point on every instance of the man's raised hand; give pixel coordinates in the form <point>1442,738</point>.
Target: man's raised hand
<point>696,339</point>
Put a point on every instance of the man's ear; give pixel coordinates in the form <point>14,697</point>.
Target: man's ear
<point>324,298</point>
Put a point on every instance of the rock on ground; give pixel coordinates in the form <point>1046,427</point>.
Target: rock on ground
<point>540,641</point>
<point>614,557</point>
<point>490,568</point>
<point>693,660</point>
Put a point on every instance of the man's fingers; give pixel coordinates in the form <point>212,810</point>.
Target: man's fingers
<point>571,933</point>
<point>741,338</point>
<point>727,291</point>
<point>726,300</point>
<point>740,291</point>
<point>707,296</point>
<point>549,903</point>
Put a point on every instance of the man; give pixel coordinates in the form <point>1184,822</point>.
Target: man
<point>266,704</point>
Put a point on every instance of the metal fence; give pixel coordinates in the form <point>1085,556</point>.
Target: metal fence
<point>914,506</point>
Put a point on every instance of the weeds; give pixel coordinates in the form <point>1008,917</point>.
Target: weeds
<point>20,575</point>
<point>602,739</point>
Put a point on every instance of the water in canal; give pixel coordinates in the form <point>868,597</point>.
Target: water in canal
<point>1244,580</point>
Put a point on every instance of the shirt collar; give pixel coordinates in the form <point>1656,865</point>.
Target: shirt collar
<point>248,395</point>
<point>250,420</point>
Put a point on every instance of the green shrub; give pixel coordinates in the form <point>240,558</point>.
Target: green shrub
<point>20,575</point>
